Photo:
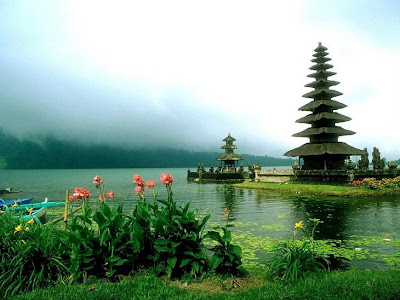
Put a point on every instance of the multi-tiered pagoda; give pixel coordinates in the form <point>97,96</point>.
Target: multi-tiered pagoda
<point>228,170</point>
<point>229,158</point>
<point>324,151</point>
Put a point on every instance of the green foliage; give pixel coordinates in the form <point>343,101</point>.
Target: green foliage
<point>178,240</point>
<point>108,243</point>
<point>227,257</point>
<point>102,243</point>
<point>294,258</point>
<point>29,256</point>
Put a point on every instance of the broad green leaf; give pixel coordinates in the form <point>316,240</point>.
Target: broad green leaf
<point>184,262</point>
<point>214,235</point>
<point>227,236</point>
<point>172,261</point>
<point>215,261</point>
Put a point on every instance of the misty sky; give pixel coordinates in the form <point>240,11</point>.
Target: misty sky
<point>184,74</point>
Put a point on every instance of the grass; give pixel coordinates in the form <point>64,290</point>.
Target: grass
<point>318,189</point>
<point>352,284</point>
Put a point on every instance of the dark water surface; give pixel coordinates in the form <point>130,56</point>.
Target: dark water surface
<point>263,213</point>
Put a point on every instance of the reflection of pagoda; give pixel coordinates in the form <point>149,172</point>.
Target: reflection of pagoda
<point>229,158</point>
<point>324,151</point>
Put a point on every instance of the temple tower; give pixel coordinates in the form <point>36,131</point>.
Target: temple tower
<point>324,151</point>
<point>229,157</point>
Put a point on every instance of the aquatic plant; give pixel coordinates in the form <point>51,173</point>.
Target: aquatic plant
<point>296,257</point>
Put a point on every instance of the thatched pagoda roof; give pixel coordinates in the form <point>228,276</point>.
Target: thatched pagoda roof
<point>317,103</point>
<point>337,131</point>
<point>321,73</point>
<point>321,83</point>
<point>229,156</point>
<point>320,59</point>
<point>229,147</point>
<point>321,66</point>
<point>336,117</point>
<point>229,138</point>
<point>320,48</point>
<point>322,93</point>
<point>324,148</point>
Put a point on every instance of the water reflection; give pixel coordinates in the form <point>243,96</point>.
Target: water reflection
<point>332,214</point>
<point>229,197</point>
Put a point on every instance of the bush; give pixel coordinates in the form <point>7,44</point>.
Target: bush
<point>227,257</point>
<point>296,257</point>
<point>29,256</point>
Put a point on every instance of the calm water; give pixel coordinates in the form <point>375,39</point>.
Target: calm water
<point>262,213</point>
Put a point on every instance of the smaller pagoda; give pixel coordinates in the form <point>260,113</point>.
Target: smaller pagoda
<point>230,159</point>
<point>228,169</point>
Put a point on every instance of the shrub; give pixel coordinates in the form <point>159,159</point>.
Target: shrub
<point>296,257</point>
<point>102,243</point>
<point>29,256</point>
<point>227,257</point>
<point>177,234</point>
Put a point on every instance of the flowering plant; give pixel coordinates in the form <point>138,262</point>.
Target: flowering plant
<point>295,257</point>
<point>79,194</point>
<point>98,183</point>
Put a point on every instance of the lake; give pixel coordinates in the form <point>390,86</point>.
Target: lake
<point>367,229</point>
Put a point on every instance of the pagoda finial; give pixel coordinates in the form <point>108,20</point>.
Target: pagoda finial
<point>319,44</point>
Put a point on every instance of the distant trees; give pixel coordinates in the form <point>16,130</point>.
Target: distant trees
<point>52,153</point>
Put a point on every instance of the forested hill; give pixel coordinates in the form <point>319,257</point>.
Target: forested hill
<point>55,154</point>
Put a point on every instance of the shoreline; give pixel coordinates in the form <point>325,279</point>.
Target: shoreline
<point>317,189</point>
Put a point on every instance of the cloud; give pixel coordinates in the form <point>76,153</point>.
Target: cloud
<point>184,74</point>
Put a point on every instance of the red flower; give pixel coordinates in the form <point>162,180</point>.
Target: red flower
<point>150,184</point>
<point>166,178</point>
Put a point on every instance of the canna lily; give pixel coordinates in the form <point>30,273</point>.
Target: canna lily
<point>31,221</point>
<point>18,228</point>
<point>110,194</point>
<point>15,204</point>
<point>150,184</point>
<point>166,178</point>
<point>138,189</point>
<point>30,210</point>
<point>138,179</point>
<point>298,225</point>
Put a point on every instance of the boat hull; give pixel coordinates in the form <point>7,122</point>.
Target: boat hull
<point>17,201</point>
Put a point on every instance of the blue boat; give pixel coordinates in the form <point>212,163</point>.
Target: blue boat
<point>17,201</point>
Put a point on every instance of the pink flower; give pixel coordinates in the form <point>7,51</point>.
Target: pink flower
<point>110,194</point>
<point>78,194</point>
<point>138,189</point>
<point>96,179</point>
<point>150,184</point>
<point>137,179</point>
<point>166,178</point>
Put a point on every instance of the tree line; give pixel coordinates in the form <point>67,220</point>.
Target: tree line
<point>52,153</point>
